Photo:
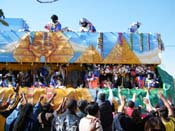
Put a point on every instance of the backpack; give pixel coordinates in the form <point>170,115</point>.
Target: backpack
<point>67,123</point>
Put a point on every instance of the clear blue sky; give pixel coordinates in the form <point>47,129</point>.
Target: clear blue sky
<point>106,15</point>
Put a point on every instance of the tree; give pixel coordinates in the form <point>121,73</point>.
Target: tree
<point>46,1</point>
<point>3,17</point>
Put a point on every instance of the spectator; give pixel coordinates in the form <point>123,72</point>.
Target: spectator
<point>131,106</point>
<point>154,124</point>
<point>136,116</point>
<point>82,104</point>
<point>24,118</point>
<point>166,114</point>
<point>24,121</point>
<point>92,114</point>
<point>106,116</point>
<point>67,120</point>
<point>46,116</point>
<point>7,107</point>
<point>121,121</point>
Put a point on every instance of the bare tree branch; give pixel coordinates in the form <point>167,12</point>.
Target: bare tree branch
<point>47,1</point>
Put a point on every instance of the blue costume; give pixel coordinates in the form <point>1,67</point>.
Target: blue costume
<point>86,26</point>
<point>55,25</point>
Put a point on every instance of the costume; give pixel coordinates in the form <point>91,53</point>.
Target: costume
<point>55,25</point>
<point>89,28</point>
<point>86,26</point>
<point>134,27</point>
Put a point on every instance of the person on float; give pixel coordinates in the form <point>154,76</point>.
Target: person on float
<point>38,83</point>
<point>86,25</point>
<point>92,80</point>
<point>55,25</point>
<point>134,27</point>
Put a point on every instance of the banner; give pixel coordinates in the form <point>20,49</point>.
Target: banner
<point>76,47</point>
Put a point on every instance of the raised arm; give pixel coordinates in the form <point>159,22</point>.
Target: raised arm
<point>23,95</point>
<point>16,97</point>
<point>134,97</point>
<point>13,115</point>
<point>4,105</point>
<point>61,108</point>
<point>147,102</point>
<point>110,93</point>
<point>51,99</point>
<point>122,101</point>
<point>37,108</point>
<point>165,102</point>
<point>122,105</point>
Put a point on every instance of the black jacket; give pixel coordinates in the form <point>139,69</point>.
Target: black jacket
<point>106,115</point>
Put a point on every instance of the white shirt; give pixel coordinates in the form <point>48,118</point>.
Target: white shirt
<point>85,123</point>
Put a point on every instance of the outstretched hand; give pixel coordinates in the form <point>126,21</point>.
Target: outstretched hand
<point>123,100</point>
<point>134,97</point>
<point>145,101</point>
<point>160,94</point>
<point>61,107</point>
<point>93,124</point>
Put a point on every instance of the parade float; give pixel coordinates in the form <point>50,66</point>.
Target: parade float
<point>21,49</point>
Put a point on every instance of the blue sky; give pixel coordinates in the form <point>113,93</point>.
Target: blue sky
<point>106,15</point>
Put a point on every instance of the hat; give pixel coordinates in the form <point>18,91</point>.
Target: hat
<point>54,18</point>
<point>83,20</point>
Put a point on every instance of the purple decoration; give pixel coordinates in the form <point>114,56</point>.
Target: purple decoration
<point>120,38</point>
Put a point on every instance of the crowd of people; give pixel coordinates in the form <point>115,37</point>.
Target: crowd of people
<point>127,76</point>
<point>85,25</point>
<point>99,114</point>
<point>91,76</point>
<point>82,115</point>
